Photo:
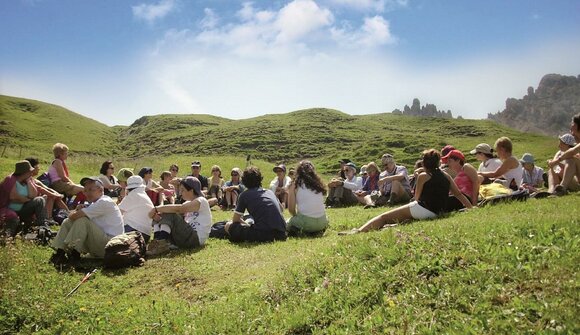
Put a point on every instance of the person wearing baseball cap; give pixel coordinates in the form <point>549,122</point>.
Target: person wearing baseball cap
<point>444,151</point>
<point>196,172</point>
<point>484,153</point>
<point>89,227</point>
<point>21,201</point>
<point>135,208</point>
<point>279,185</point>
<point>466,179</point>
<point>185,225</point>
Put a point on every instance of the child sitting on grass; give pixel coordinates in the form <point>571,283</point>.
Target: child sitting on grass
<point>169,189</point>
<point>216,183</point>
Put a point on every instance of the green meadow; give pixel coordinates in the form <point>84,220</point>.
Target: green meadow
<point>505,269</point>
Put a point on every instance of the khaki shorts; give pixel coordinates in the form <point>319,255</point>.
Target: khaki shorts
<point>63,187</point>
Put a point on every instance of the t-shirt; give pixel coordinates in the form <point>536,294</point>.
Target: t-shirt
<point>231,183</point>
<point>399,170</point>
<point>309,203</point>
<point>275,183</point>
<point>201,220</point>
<point>263,206</point>
<point>354,184</point>
<point>22,190</point>
<point>105,214</point>
<point>202,180</point>
<point>535,177</point>
<point>136,207</point>
<point>489,165</point>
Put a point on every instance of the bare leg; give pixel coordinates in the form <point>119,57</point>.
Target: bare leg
<point>234,198</point>
<point>229,198</point>
<point>553,180</point>
<point>400,214</point>
<point>571,170</point>
<point>49,206</point>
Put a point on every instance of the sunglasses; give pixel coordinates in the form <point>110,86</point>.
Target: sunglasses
<point>111,168</point>
<point>173,170</point>
<point>235,174</point>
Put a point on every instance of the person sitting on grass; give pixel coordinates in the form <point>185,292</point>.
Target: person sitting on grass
<point>122,176</point>
<point>135,208</point>
<point>279,185</point>
<point>59,176</point>
<point>556,173</point>
<point>186,225</point>
<point>393,183</point>
<point>196,172</point>
<point>484,153</point>
<point>370,187</point>
<point>233,188</point>
<point>263,206</point>
<point>152,188</point>
<point>342,194</point>
<point>216,183</point>
<point>433,186</point>
<point>510,173</point>
<point>52,196</point>
<point>306,202</point>
<point>168,189</point>
<point>571,159</point>
<point>20,200</point>
<point>89,227</point>
<point>466,179</point>
<point>110,182</point>
<point>533,177</point>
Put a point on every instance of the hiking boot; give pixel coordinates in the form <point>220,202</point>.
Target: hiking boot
<point>560,190</point>
<point>59,258</point>
<point>157,247</point>
<point>349,232</point>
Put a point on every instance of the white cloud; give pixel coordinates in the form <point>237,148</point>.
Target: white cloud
<point>210,19</point>
<point>374,32</point>
<point>299,18</point>
<point>151,13</point>
<point>370,5</point>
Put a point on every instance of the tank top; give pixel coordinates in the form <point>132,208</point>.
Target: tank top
<point>52,171</point>
<point>515,175</point>
<point>22,190</point>
<point>309,203</point>
<point>463,182</point>
<point>201,220</point>
<point>435,192</point>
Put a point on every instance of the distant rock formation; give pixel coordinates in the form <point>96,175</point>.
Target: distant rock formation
<point>429,110</point>
<point>547,110</point>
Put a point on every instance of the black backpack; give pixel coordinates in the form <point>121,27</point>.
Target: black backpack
<point>125,250</point>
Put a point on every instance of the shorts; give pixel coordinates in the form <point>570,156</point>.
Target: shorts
<point>65,187</point>
<point>419,212</point>
<point>239,232</point>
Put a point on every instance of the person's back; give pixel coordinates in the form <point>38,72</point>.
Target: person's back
<point>435,192</point>
<point>135,207</point>
<point>264,208</point>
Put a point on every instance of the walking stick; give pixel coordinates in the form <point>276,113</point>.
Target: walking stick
<point>85,278</point>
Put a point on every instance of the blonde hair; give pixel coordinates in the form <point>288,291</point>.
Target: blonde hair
<point>505,143</point>
<point>373,165</point>
<point>216,168</point>
<point>59,149</point>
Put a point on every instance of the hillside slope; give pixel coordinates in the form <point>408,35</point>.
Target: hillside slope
<point>36,126</point>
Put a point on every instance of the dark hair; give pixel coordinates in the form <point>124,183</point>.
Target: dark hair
<point>145,171</point>
<point>174,166</point>
<point>431,158</point>
<point>576,119</point>
<point>33,161</point>
<point>185,185</point>
<point>489,156</point>
<point>306,175</point>
<point>418,164</point>
<point>105,167</point>
<point>164,174</point>
<point>252,177</point>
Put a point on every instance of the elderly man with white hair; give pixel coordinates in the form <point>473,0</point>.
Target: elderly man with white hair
<point>89,227</point>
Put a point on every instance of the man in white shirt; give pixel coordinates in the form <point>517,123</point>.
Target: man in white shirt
<point>89,227</point>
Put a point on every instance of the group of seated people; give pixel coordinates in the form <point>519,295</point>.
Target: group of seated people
<point>176,212</point>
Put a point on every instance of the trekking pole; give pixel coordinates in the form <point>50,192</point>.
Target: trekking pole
<point>85,278</point>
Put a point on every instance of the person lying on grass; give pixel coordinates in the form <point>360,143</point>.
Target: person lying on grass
<point>433,186</point>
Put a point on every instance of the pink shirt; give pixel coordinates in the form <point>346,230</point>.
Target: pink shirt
<point>464,184</point>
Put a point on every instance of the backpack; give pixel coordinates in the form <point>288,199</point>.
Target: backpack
<point>44,178</point>
<point>125,250</point>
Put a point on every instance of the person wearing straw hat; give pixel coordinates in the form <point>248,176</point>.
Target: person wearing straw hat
<point>89,227</point>
<point>135,208</point>
<point>533,175</point>
<point>185,225</point>
<point>20,200</point>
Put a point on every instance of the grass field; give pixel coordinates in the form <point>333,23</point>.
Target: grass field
<point>506,269</point>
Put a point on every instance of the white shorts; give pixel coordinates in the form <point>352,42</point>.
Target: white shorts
<point>419,212</point>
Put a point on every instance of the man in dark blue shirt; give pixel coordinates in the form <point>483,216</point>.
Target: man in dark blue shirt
<point>269,224</point>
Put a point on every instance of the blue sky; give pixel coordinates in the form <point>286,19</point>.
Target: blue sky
<point>115,61</point>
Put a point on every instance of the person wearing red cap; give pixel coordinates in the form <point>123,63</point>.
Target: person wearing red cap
<point>510,173</point>
<point>433,187</point>
<point>466,179</point>
<point>444,151</point>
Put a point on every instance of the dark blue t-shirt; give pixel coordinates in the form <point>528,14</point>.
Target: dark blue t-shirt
<point>263,206</point>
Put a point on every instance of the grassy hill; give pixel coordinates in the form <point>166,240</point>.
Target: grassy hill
<point>323,135</point>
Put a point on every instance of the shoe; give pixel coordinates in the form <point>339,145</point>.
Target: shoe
<point>50,222</point>
<point>74,258</point>
<point>157,247</point>
<point>387,226</point>
<point>370,206</point>
<point>59,258</point>
<point>349,232</point>
<point>560,190</point>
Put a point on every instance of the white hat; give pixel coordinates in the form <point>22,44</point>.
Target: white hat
<point>134,182</point>
<point>484,148</point>
<point>568,139</point>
